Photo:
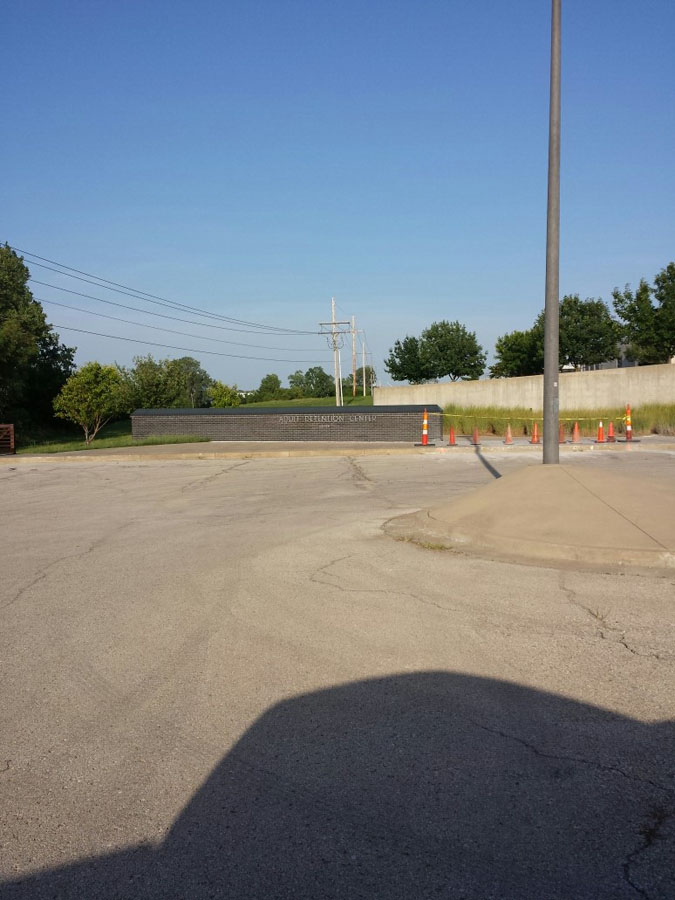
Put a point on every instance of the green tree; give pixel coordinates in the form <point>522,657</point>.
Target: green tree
<point>371,379</point>
<point>270,388</point>
<point>45,376</point>
<point>91,397</point>
<point>315,382</point>
<point>647,328</point>
<point>167,383</point>
<point>638,328</point>
<point>318,383</point>
<point>664,294</point>
<point>448,349</point>
<point>405,362</point>
<point>296,383</point>
<point>33,364</point>
<point>588,334</point>
<point>187,383</point>
<point>223,395</point>
<point>519,353</point>
<point>147,383</point>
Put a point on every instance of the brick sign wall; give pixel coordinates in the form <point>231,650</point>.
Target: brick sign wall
<point>323,423</point>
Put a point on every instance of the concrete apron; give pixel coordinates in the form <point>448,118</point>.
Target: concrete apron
<point>553,515</point>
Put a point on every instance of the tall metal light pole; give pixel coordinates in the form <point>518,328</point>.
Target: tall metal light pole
<point>551,316</point>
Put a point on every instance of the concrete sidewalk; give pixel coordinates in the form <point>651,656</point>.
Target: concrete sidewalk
<point>556,514</point>
<point>286,449</point>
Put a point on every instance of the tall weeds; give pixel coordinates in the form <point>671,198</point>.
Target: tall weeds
<point>654,418</point>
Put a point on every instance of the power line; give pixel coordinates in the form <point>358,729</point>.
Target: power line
<point>171,305</point>
<point>149,312</point>
<point>144,295</point>
<point>117,337</point>
<point>199,337</point>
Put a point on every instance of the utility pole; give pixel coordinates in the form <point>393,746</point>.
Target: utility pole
<point>339,398</point>
<point>552,308</point>
<point>363,365</point>
<point>336,356</point>
<point>335,341</point>
<point>353,356</point>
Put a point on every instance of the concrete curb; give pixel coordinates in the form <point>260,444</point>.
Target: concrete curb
<point>97,456</point>
<point>421,528</point>
<point>263,450</point>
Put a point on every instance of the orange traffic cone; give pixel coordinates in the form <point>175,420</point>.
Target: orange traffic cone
<point>601,434</point>
<point>561,434</point>
<point>611,438</point>
<point>425,432</point>
<point>451,437</point>
<point>509,437</point>
<point>576,437</point>
<point>535,434</point>
<point>475,440</point>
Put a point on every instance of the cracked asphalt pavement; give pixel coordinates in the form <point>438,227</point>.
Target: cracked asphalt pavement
<point>222,679</point>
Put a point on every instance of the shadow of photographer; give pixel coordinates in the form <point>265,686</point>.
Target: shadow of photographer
<point>427,785</point>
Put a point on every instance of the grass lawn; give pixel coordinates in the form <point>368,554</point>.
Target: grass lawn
<point>117,434</point>
<point>359,400</point>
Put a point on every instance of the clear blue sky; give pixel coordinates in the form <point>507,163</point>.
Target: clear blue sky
<point>255,157</point>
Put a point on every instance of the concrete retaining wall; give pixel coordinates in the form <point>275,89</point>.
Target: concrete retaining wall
<point>319,423</point>
<point>636,385</point>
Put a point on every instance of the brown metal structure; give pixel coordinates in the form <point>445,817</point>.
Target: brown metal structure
<point>7,439</point>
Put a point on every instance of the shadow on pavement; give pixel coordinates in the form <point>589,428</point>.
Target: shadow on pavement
<point>428,785</point>
<point>488,465</point>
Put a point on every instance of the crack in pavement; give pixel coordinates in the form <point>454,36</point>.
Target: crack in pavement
<point>46,570</point>
<point>601,767</point>
<point>613,635</point>
<point>358,476</point>
<point>651,832</point>
<point>313,577</point>
<point>665,657</point>
<point>200,482</point>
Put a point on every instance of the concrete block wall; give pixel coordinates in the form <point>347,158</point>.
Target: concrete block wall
<point>637,385</point>
<point>322,423</point>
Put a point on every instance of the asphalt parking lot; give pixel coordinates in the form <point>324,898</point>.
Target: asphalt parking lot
<point>222,679</point>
